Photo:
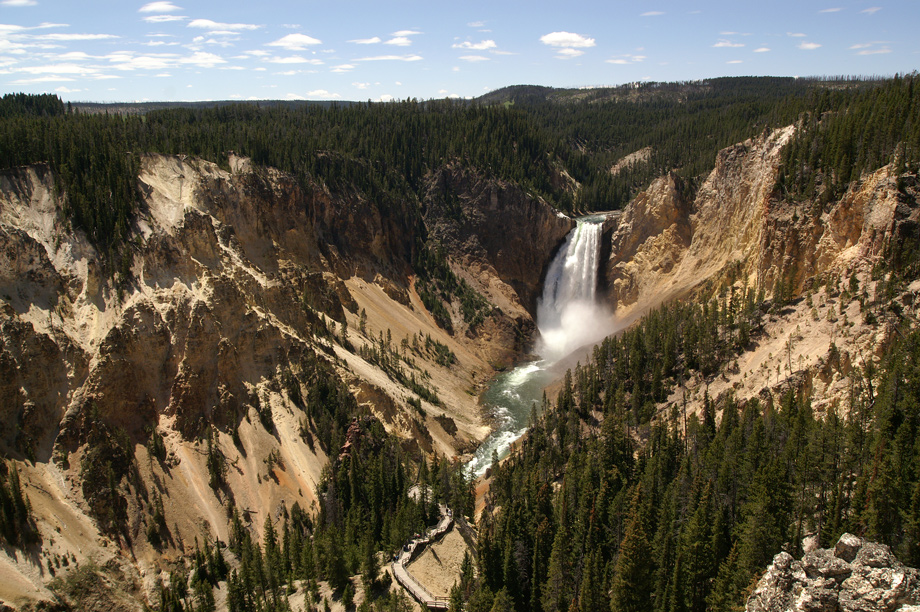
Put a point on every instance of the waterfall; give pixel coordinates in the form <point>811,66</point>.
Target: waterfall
<point>567,315</point>
<point>568,318</point>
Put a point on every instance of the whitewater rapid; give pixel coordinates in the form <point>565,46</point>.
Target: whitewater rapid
<point>568,317</point>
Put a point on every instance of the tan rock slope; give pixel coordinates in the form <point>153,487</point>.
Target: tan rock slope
<point>244,285</point>
<point>737,232</point>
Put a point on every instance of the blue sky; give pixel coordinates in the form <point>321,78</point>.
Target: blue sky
<point>119,50</point>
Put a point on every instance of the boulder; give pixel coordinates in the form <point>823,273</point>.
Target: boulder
<point>854,576</point>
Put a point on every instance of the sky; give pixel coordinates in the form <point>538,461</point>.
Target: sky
<point>184,50</point>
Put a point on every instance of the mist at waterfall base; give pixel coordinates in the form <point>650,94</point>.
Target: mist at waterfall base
<point>568,318</point>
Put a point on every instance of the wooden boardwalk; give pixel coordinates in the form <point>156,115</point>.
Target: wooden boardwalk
<point>411,550</point>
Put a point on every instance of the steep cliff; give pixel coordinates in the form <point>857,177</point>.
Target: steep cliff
<point>245,288</point>
<point>497,231</point>
<point>737,233</point>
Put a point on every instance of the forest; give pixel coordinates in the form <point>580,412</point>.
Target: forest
<point>608,504</point>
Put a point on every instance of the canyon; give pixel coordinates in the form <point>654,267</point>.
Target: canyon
<point>245,284</point>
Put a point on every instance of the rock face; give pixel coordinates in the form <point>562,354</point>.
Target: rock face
<point>736,227</point>
<point>497,230</point>
<point>854,576</point>
<point>238,278</point>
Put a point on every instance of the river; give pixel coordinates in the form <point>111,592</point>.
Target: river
<point>568,318</point>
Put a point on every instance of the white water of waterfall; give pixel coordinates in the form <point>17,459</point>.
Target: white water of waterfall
<point>568,318</point>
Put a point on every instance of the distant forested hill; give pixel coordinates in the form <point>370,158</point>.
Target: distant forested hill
<point>528,135</point>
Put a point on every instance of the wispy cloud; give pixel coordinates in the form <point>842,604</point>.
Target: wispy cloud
<point>625,60</point>
<point>569,53</point>
<point>872,10</point>
<point>474,58</point>
<point>72,37</point>
<point>796,34</point>
<point>652,14</point>
<point>366,41</point>
<point>872,48</point>
<point>406,33</point>
<point>831,10</point>
<point>295,42</point>
<point>761,49</point>
<point>480,46</point>
<point>361,86</point>
<point>294,59</point>
<point>207,24</point>
<point>476,24</point>
<point>809,46</point>
<point>19,3</point>
<point>159,7</point>
<point>203,60</point>
<point>728,44</point>
<point>390,58</point>
<point>735,62</point>
<point>164,18</point>
<point>342,68</point>
<point>399,41</point>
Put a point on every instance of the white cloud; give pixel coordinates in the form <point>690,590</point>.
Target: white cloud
<point>66,68</point>
<point>164,18</point>
<point>322,94</point>
<point>652,14</point>
<point>474,58</point>
<point>406,33</point>
<point>203,60</point>
<point>566,39</point>
<point>878,51</point>
<point>569,53</point>
<point>158,7</point>
<point>342,68</point>
<point>480,46</point>
<point>160,43</point>
<point>207,24</point>
<point>361,86</point>
<point>19,3</point>
<point>294,59</point>
<point>293,96</point>
<point>872,10</point>
<point>831,10</point>
<point>735,62</point>
<point>385,98</point>
<point>399,41</point>
<point>625,60</point>
<point>44,79</point>
<point>386,58</point>
<point>795,34</point>
<point>366,41</point>
<point>69,37</point>
<point>295,42</point>
<point>761,49</point>
<point>64,89</point>
<point>476,24</point>
<point>728,44</point>
<point>809,46</point>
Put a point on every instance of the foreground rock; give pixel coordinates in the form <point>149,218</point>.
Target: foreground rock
<point>854,576</point>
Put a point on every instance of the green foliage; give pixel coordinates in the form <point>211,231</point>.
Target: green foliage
<point>17,526</point>
<point>107,468</point>
<point>686,521</point>
<point>848,132</point>
<point>437,284</point>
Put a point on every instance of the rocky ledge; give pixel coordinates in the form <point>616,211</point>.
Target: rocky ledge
<point>853,576</point>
